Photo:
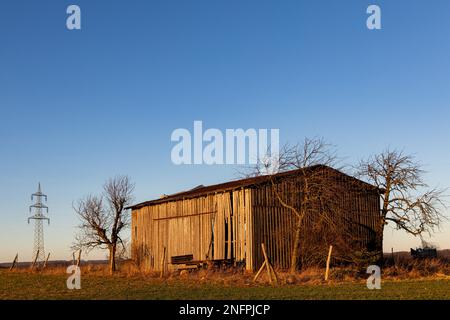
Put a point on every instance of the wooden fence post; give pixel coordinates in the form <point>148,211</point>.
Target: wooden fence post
<point>270,271</point>
<point>79,258</point>
<point>259,271</point>
<point>328,263</point>
<point>46,261</point>
<point>14,262</point>
<point>35,259</point>
<point>266,260</point>
<point>274,274</point>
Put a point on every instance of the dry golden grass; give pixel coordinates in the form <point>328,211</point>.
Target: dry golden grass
<point>403,268</point>
<point>409,280</point>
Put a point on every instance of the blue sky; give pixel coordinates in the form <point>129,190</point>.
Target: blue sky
<point>78,107</point>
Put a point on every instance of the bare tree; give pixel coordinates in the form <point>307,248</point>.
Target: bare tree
<point>104,217</point>
<point>312,193</point>
<point>407,201</point>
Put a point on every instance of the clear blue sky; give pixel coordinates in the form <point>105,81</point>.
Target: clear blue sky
<point>78,107</point>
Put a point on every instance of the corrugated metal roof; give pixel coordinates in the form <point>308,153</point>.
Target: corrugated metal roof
<point>233,185</point>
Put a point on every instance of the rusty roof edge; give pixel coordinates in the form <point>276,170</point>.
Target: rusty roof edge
<point>234,185</point>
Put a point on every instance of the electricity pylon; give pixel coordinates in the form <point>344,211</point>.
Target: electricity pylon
<point>38,218</point>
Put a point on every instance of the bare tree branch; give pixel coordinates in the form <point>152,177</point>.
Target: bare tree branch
<point>311,196</point>
<point>407,200</point>
<point>102,224</point>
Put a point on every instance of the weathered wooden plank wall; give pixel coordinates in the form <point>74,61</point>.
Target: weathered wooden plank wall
<point>233,224</point>
<point>274,225</point>
<point>208,227</point>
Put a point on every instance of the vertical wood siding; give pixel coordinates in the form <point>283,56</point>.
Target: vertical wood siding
<point>233,224</point>
<point>208,227</point>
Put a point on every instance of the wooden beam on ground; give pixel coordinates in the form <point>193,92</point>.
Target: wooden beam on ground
<point>328,263</point>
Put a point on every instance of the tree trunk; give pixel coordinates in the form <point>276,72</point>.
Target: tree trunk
<point>381,260</point>
<point>295,249</point>
<point>380,231</point>
<point>112,258</point>
<point>379,245</point>
<point>379,236</point>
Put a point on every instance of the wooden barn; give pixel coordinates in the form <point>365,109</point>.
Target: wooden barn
<point>229,221</point>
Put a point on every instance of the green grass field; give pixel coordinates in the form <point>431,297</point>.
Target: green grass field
<point>53,286</point>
